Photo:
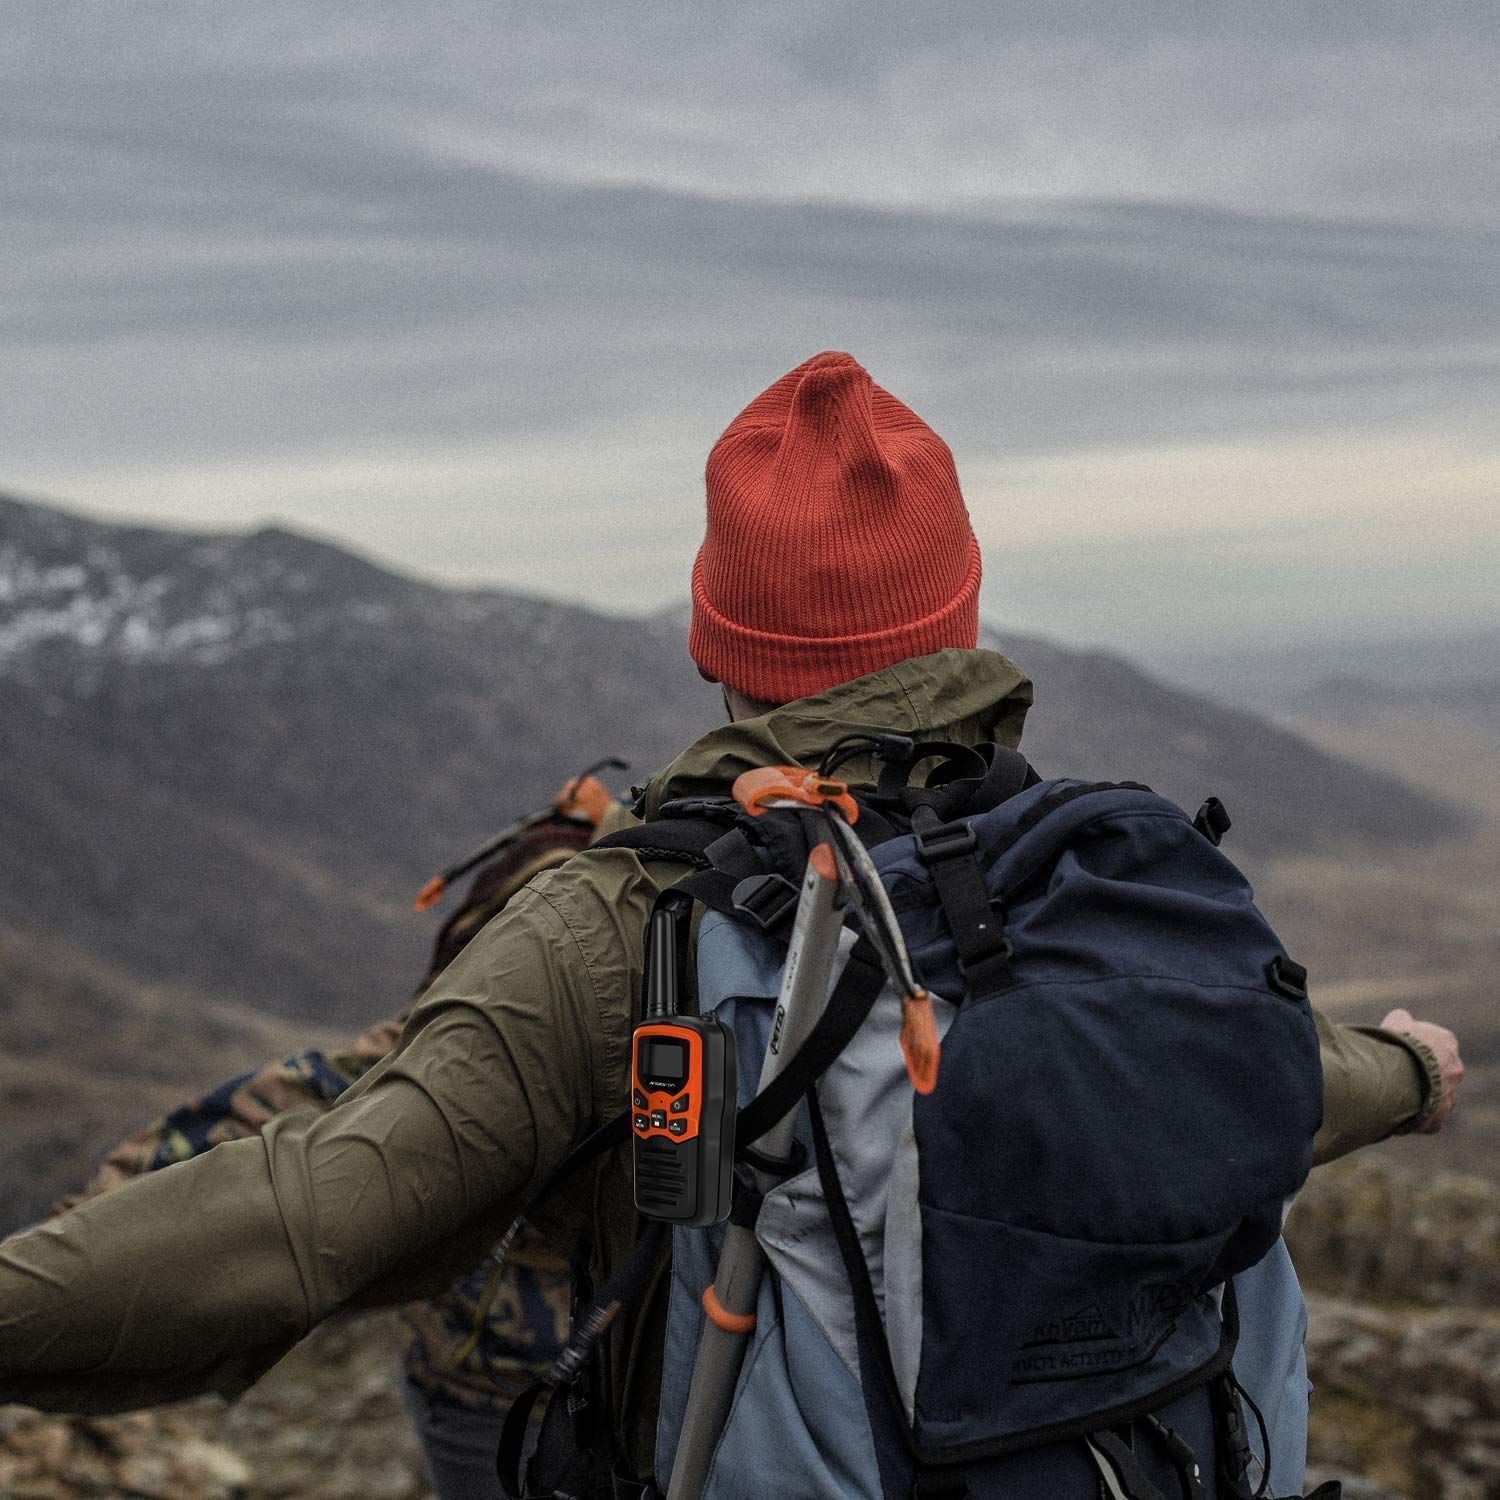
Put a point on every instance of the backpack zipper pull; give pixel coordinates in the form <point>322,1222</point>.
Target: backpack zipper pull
<point>919,1041</point>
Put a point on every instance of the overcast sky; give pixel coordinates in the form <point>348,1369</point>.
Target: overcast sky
<point>1205,299</point>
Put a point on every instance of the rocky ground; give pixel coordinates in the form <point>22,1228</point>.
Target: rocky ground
<point>326,1424</point>
<point>1403,1272</point>
<point>1409,1401</point>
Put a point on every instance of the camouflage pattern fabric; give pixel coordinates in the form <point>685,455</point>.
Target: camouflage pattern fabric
<point>528,1317</point>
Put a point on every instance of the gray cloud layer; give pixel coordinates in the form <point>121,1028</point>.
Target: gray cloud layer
<point>558,250</point>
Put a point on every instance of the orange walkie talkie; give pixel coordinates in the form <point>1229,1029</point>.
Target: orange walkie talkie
<point>682,1090</point>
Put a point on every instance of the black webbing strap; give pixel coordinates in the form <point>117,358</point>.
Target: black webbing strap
<point>513,1439</point>
<point>1009,774</point>
<point>1189,1466</point>
<point>681,840</point>
<point>947,849</point>
<point>895,774</point>
<point>898,1463</point>
<point>1130,1480</point>
<point>730,875</point>
<point>627,1283</point>
<point>852,1000</point>
<point>612,1133</point>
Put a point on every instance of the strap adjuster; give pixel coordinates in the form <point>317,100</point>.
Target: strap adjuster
<point>1213,821</point>
<point>999,948</point>
<point>1287,977</point>
<point>765,900</point>
<point>946,841</point>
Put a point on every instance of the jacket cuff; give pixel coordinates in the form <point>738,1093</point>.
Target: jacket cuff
<point>1429,1074</point>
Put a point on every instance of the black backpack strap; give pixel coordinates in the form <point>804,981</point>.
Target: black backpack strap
<point>895,1447</point>
<point>977,924</point>
<point>624,1286</point>
<point>681,840</point>
<point>895,774</point>
<point>730,874</point>
<point>852,1000</point>
<point>1009,774</point>
<point>1120,1470</point>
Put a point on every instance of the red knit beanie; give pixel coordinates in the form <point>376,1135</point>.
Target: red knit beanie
<point>838,542</point>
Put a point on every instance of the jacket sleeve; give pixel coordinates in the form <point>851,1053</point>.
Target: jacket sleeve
<point>200,1276</point>
<point>238,1108</point>
<point>1375,1084</point>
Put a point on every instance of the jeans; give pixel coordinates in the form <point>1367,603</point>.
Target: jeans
<point>458,1442</point>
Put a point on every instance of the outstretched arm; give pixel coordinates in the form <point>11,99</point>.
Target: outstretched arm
<point>200,1276</point>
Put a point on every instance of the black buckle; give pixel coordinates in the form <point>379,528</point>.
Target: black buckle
<point>1212,821</point>
<point>976,969</point>
<point>946,841</point>
<point>1287,978</point>
<point>765,900</point>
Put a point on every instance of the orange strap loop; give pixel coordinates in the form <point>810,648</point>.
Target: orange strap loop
<point>720,1317</point>
<point>919,1041</point>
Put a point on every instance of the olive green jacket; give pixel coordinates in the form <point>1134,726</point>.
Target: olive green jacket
<point>201,1275</point>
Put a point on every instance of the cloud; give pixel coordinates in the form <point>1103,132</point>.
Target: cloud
<point>478,285</point>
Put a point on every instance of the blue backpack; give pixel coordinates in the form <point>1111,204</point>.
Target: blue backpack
<point>1060,1275</point>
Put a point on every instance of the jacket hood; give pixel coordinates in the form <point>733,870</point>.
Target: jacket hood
<point>965,696</point>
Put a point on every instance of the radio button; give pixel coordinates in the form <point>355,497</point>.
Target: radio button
<point>680,1104</point>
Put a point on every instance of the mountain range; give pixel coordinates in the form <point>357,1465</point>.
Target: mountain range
<point>227,762</point>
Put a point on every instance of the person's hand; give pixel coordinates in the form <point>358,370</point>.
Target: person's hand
<point>1444,1046</point>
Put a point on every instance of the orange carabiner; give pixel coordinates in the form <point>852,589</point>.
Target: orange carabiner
<point>758,790</point>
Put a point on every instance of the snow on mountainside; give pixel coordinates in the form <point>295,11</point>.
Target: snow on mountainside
<point>74,591</point>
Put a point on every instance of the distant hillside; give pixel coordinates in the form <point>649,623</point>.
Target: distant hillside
<point>1098,715</point>
<point>227,762</point>
<point>1348,698</point>
<point>1268,676</point>
<point>87,1052</point>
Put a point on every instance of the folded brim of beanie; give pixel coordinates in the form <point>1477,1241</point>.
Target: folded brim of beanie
<point>781,668</point>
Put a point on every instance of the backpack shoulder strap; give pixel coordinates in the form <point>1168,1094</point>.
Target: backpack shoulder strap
<point>679,840</point>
